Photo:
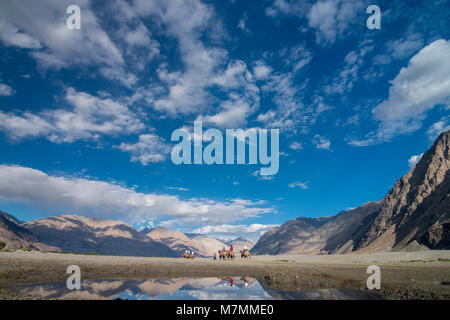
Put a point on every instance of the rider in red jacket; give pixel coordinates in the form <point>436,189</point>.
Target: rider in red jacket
<point>231,248</point>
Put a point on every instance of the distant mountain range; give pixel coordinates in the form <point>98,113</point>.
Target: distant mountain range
<point>72,233</point>
<point>414,215</point>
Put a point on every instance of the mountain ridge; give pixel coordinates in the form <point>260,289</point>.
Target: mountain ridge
<point>414,215</point>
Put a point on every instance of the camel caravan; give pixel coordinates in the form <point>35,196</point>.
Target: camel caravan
<point>224,254</point>
<point>188,255</point>
<point>229,253</point>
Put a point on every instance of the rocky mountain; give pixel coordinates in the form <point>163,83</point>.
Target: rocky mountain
<point>82,235</point>
<point>174,239</point>
<point>146,230</point>
<point>286,237</point>
<point>240,243</point>
<point>17,237</point>
<point>414,215</point>
<point>179,242</point>
<point>416,211</point>
<point>11,218</point>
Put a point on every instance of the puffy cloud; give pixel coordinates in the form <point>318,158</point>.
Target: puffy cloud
<point>186,90</point>
<point>414,160</point>
<point>11,36</point>
<point>406,46</point>
<point>437,128</point>
<point>206,70</point>
<point>287,7</point>
<point>105,199</point>
<point>6,90</point>
<point>416,89</point>
<point>261,70</point>
<point>233,113</point>
<point>25,125</point>
<point>296,57</point>
<point>89,118</point>
<point>149,149</point>
<point>44,23</point>
<point>289,111</point>
<point>41,28</point>
<point>296,146</point>
<point>321,142</point>
<point>303,185</point>
<point>332,18</point>
<point>235,229</point>
<point>349,74</point>
<point>257,174</point>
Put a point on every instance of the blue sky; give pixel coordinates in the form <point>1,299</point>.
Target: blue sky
<point>86,115</point>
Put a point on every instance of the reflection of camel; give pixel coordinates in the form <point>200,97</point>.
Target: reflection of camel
<point>246,280</point>
<point>245,254</point>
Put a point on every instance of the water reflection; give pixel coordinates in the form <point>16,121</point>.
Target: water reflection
<point>222,288</point>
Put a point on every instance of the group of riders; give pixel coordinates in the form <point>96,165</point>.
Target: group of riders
<point>188,254</point>
<point>229,253</point>
<point>224,253</point>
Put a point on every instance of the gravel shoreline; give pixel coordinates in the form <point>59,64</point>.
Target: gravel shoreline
<point>404,275</point>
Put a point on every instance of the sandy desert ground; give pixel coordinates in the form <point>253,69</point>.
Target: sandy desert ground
<point>404,275</point>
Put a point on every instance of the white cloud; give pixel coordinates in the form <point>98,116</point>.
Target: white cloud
<point>185,21</point>
<point>332,18</point>
<point>321,142</point>
<point>233,114</point>
<point>286,7</point>
<point>177,188</point>
<point>25,125</point>
<point>206,69</point>
<point>414,160</point>
<point>261,70</point>
<point>149,149</point>
<point>303,185</point>
<point>11,36</point>
<point>437,128</point>
<point>243,24</point>
<point>104,199</point>
<point>41,28</point>
<point>296,57</point>
<point>296,146</point>
<point>406,46</point>
<point>89,118</point>
<point>6,90</point>
<point>417,88</point>
<point>235,229</point>
<point>257,174</point>
<point>349,74</point>
<point>289,112</point>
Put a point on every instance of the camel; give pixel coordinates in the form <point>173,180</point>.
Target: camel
<point>222,254</point>
<point>225,254</point>
<point>245,254</point>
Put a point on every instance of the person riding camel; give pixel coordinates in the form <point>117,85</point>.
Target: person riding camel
<point>231,248</point>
